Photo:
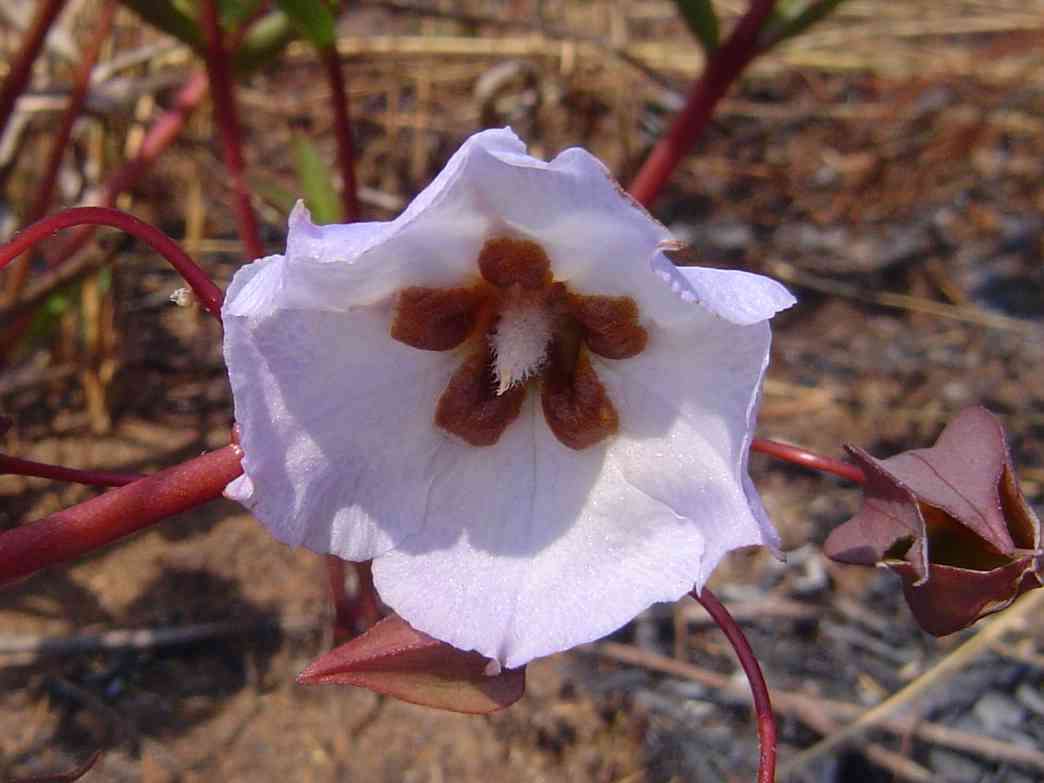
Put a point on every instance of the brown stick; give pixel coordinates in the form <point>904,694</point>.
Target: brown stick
<point>800,704</point>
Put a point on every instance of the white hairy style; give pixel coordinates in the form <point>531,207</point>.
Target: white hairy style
<point>520,342</point>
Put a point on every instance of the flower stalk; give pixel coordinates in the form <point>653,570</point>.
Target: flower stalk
<point>73,532</point>
<point>723,67</point>
<point>228,120</point>
<point>758,687</point>
<point>209,295</point>
<point>807,459</point>
<point>14,466</point>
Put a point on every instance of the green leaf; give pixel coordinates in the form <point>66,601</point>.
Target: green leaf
<point>794,17</point>
<point>169,18</point>
<point>313,175</point>
<point>264,41</point>
<point>235,12</point>
<point>267,37</point>
<point>313,18</point>
<point>702,21</point>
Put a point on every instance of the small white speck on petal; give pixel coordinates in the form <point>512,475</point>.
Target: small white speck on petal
<point>493,668</point>
<point>520,342</point>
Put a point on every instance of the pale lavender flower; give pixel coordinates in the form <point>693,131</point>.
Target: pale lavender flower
<point>508,397</point>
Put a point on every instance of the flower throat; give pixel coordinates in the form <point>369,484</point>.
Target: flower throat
<point>519,328</point>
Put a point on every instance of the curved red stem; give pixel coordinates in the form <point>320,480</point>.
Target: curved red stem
<point>68,534</point>
<point>209,295</point>
<point>13,466</point>
<point>807,459</point>
<point>228,120</point>
<point>723,68</point>
<point>758,687</point>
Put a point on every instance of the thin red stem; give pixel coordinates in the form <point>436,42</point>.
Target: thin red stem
<point>228,120</point>
<point>22,64</point>
<point>807,459</point>
<point>758,687</point>
<point>723,68</point>
<point>49,176</point>
<point>159,136</point>
<point>73,532</point>
<point>209,295</point>
<point>352,616</point>
<point>342,132</point>
<point>13,466</point>
<point>368,607</point>
<point>344,610</point>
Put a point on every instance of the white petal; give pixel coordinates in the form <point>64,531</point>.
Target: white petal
<point>740,297</point>
<point>531,547</point>
<point>336,426</point>
<point>689,402</point>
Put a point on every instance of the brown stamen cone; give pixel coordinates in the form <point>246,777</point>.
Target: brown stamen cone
<point>470,407</point>
<point>575,403</point>
<point>435,319</point>
<point>610,325</point>
<point>506,261</point>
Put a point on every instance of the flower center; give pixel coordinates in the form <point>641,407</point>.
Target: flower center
<point>519,328</point>
<point>520,339</point>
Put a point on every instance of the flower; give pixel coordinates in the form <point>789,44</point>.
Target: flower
<point>508,397</point>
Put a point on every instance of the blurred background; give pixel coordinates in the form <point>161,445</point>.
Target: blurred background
<point>887,165</point>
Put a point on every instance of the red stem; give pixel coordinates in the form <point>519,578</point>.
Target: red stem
<point>13,466</point>
<point>722,69</point>
<point>228,121</point>
<point>68,534</point>
<point>342,132</point>
<point>758,687</point>
<point>49,178</point>
<point>160,136</point>
<point>368,607</point>
<point>77,98</point>
<point>209,295</point>
<point>352,617</point>
<point>807,459</point>
<point>22,64</point>
<point>344,610</point>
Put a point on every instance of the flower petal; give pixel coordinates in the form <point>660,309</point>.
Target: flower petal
<point>532,547</point>
<point>335,423</point>
<point>687,407</point>
<point>742,298</point>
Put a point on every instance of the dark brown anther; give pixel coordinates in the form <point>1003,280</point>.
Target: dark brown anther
<point>435,319</point>
<point>575,403</point>
<point>470,407</point>
<point>610,325</point>
<point>506,261</point>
